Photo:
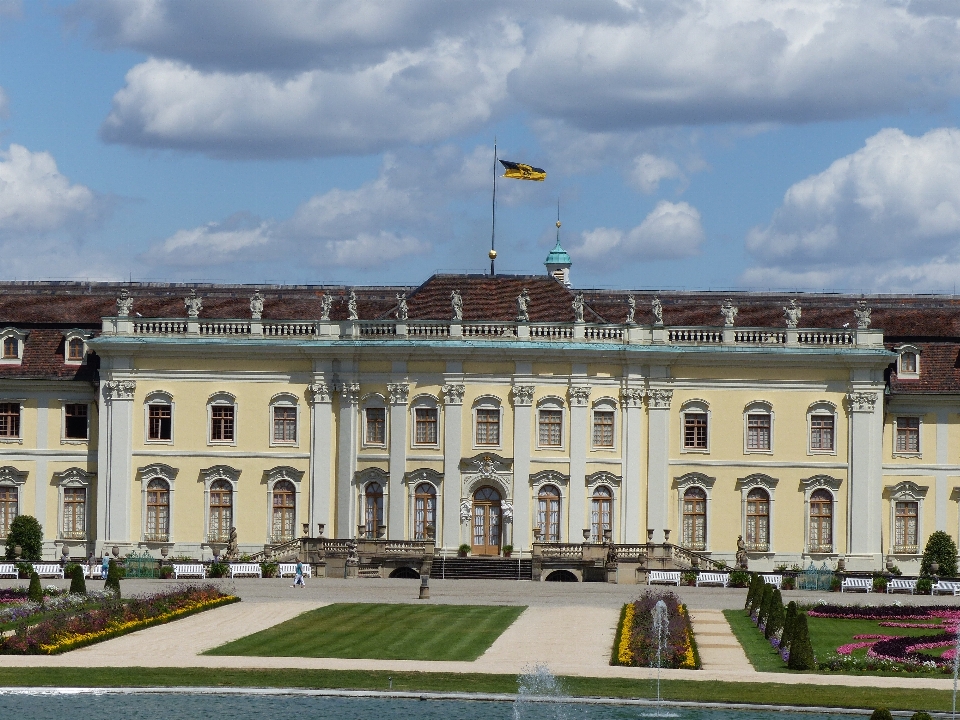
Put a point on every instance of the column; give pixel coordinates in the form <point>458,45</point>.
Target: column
<point>452,440</point>
<point>114,463</point>
<point>522,520</point>
<point>399,393</point>
<point>579,428</point>
<point>658,456</point>
<point>321,454</point>
<point>632,529</point>
<point>940,476</point>
<point>866,479</point>
<point>347,460</point>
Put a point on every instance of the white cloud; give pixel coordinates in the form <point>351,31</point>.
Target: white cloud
<point>670,231</point>
<point>649,170</point>
<point>358,76</point>
<point>36,198</point>
<point>238,237</point>
<point>886,217</point>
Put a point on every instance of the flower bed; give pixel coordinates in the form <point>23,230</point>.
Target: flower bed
<point>68,631</point>
<point>23,609</point>
<point>635,642</point>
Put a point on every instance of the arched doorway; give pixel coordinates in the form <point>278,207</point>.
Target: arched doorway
<point>486,522</point>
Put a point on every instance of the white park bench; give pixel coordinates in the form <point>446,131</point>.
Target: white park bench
<point>897,584</point>
<point>708,578</point>
<point>253,569</point>
<point>946,586</point>
<point>49,570</point>
<point>775,580</point>
<point>290,570</point>
<point>189,570</point>
<point>851,583</point>
<point>9,570</point>
<point>664,576</point>
<point>94,572</point>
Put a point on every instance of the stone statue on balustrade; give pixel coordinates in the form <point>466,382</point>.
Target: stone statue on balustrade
<point>578,306</point>
<point>233,548</point>
<point>741,553</point>
<point>729,312</point>
<point>256,306</point>
<point>792,313</point>
<point>631,310</point>
<point>523,306</point>
<point>326,302</point>
<point>456,303</point>
<point>862,314</point>
<point>193,304</point>
<point>657,311</point>
<point>402,310</point>
<point>124,304</point>
<point>352,306</point>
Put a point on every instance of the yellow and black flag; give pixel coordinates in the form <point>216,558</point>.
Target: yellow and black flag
<point>519,171</point>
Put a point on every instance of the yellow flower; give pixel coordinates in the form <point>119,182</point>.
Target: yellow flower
<point>624,655</point>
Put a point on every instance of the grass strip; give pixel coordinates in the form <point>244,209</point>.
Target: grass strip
<point>382,632</point>
<point>758,649</point>
<point>688,690</point>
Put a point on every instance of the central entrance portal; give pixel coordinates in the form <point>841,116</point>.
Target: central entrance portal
<point>486,522</point>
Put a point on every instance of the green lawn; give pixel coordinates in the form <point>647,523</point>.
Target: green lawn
<point>909,699</point>
<point>826,635</point>
<point>381,632</point>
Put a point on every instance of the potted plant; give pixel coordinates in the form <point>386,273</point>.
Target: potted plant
<point>166,572</point>
<point>507,550</point>
<point>463,550</point>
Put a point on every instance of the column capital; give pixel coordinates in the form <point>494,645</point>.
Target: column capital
<point>349,393</point>
<point>119,389</point>
<point>399,393</point>
<point>631,397</point>
<point>579,395</point>
<point>522,395</point>
<point>319,392</point>
<point>862,401</point>
<point>659,398</point>
<point>453,393</point>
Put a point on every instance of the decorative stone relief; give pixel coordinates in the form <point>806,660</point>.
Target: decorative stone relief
<point>453,393</point>
<point>399,392</point>
<point>579,394</point>
<point>862,401</point>
<point>522,395</point>
<point>352,306</point>
<point>326,302</point>
<point>506,510</point>
<point>75,477</point>
<point>523,306</point>
<point>402,311</point>
<point>729,312</point>
<point>319,392</point>
<point>124,304</point>
<point>119,389</point>
<point>792,314</point>
<point>349,393</point>
<point>193,304</point>
<point>465,511</point>
<point>660,398</point>
<point>862,313</point>
<point>578,306</point>
<point>256,306</point>
<point>631,310</point>
<point>11,476</point>
<point>631,397</point>
<point>657,311</point>
<point>456,303</point>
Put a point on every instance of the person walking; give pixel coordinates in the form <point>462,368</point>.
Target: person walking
<point>298,580</point>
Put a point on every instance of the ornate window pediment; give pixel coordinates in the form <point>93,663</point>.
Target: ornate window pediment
<point>549,477</point>
<point>757,480</point>
<point>691,479</point>
<point>907,490</point>
<point>602,477</point>
<point>362,477</point>
<point>420,475</point>
<point>220,472</point>
<point>73,477</point>
<point>821,481</point>
<point>158,470</point>
<point>9,475</point>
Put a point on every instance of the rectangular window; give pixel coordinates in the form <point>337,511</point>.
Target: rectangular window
<point>425,432</point>
<point>11,348</point>
<point>284,424</point>
<point>160,421</point>
<point>75,350</point>
<point>821,432</point>
<point>695,431</point>
<point>75,421</point>
<point>376,426</point>
<point>551,428</point>
<point>10,420</point>
<point>758,432</point>
<point>906,527</point>
<point>221,423</point>
<point>488,426</point>
<point>603,428</point>
<point>74,513</point>
<point>908,435</point>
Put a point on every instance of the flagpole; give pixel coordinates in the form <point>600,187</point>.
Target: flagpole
<point>493,223</point>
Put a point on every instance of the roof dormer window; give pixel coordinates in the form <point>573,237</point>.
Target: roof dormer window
<point>908,363</point>
<point>11,346</point>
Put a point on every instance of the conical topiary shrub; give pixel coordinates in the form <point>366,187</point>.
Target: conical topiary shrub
<point>775,615</point>
<point>113,578</point>
<point>35,593</point>
<point>881,714</point>
<point>764,609</point>
<point>789,623</point>
<point>753,594</point>
<point>921,715</point>
<point>801,651</point>
<point>78,584</point>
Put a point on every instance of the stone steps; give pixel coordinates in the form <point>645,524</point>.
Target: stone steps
<point>481,569</point>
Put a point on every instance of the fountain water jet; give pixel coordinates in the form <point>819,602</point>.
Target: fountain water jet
<point>538,687</point>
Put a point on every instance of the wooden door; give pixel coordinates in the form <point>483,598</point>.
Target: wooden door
<point>486,522</point>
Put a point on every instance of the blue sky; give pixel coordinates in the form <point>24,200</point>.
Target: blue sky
<point>692,144</point>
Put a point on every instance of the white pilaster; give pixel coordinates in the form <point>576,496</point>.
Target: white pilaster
<point>347,460</point>
<point>631,496</point>
<point>452,440</point>
<point>321,451</point>
<point>114,463</point>
<point>522,396</point>
<point>399,394</point>
<point>866,479</point>
<point>579,430</point>
<point>940,477</point>
<point>658,456</point>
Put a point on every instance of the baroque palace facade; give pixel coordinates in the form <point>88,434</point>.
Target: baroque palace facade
<point>480,410</point>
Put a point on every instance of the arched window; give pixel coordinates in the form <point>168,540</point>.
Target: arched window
<point>548,513</point>
<point>695,518</point>
<point>75,349</point>
<point>821,521</point>
<point>158,510</point>
<point>486,521</point>
<point>373,508</point>
<point>9,508</point>
<point>284,510</point>
<point>11,348</point>
<point>425,511</point>
<point>221,510</point>
<point>74,513</point>
<point>601,513</point>
<point>758,520</point>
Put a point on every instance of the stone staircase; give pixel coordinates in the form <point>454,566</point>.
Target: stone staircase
<point>477,568</point>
